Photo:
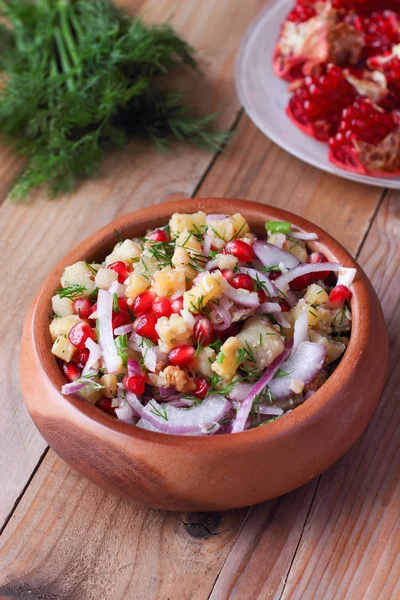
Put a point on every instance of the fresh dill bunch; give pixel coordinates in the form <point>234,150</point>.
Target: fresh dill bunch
<point>78,76</point>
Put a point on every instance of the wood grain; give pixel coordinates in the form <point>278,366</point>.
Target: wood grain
<point>36,236</point>
<point>351,543</point>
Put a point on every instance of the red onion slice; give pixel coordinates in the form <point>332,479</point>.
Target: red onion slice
<point>240,391</point>
<point>304,365</point>
<point>125,413</point>
<point>181,421</point>
<point>134,368</point>
<point>257,388</point>
<point>269,307</point>
<point>271,256</point>
<point>72,388</point>
<point>221,318</point>
<point>282,283</point>
<point>249,299</point>
<point>104,310</point>
<point>95,354</point>
<point>267,284</point>
<point>211,218</point>
<point>346,276</point>
<point>123,329</point>
<point>152,356</point>
<point>291,298</point>
<point>207,243</point>
<point>280,319</point>
<point>306,237</point>
<point>212,264</point>
<point>280,239</point>
<point>263,409</point>
<point>300,331</point>
<point>117,288</point>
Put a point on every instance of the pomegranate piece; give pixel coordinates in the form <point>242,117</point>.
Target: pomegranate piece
<point>162,307</point>
<point>121,318</point>
<point>301,282</point>
<point>143,304</point>
<point>262,296</point>
<point>285,306</point>
<point>227,274</point>
<point>181,356</point>
<point>242,281</point>
<point>241,250</point>
<point>105,405</point>
<point>134,384</point>
<point>82,307</point>
<point>230,331</point>
<point>389,65</point>
<point>305,43</point>
<point>367,141</point>
<point>316,104</point>
<point>203,331</point>
<point>146,327</point>
<point>159,235</point>
<point>79,334</point>
<point>122,269</point>
<point>177,305</point>
<point>83,357</point>
<point>339,295</point>
<point>381,30</point>
<point>71,371</point>
<point>202,387</point>
<point>318,257</point>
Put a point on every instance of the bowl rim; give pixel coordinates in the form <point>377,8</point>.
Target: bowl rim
<point>105,237</point>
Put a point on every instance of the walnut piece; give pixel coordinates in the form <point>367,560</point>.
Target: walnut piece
<point>179,379</point>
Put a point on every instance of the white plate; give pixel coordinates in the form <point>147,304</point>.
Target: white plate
<point>265,97</point>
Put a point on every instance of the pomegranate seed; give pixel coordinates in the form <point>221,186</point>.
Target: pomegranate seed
<point>339,295</point>
<point>177,305</point>
<point>238,248</point>
<point>202,387</point>
<point>143,303</point>
<point>93,309</point>
<point>227,274</point>
<point>316,104</point>
<point>123,303</point>
<point>71,371</point>
<point>79,334</point>
<point>230,331</point>
<point>262,296</point>
<point>159,235</point>
<point>82,307</point>
<point>274,275</point>
<point>303,11</point>
<point>301,282</point>
<point>181,356</point>
<point>121,318</point>
<point>318,257</point>
<point>134,384</point>
<point>381,32</point>
<point>146,327</point>
<point>162,307</point>
<point>105,405</point>
<point>285,306</point>
<point>83,357</point>
<point>122,269</point>
<point>242,281</point>
<point>203,331</point>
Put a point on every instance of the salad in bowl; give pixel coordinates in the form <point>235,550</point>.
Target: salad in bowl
<point>202,327</point>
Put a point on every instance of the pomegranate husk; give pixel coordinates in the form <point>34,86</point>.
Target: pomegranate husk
<point>378,160</point>
<point>303,47</point>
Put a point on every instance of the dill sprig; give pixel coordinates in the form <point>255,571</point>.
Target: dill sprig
<point>81,76</point>
<point>72,290</point>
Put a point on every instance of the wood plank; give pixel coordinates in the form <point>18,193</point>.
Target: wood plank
<point>254,168</point>
<point>351,544</point>
<point>36,236</point>
<point>75,542</point>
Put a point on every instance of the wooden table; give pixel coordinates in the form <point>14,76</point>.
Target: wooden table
<point>62,537</point>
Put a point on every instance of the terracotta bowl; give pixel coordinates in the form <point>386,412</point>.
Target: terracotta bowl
<point>217,472</point>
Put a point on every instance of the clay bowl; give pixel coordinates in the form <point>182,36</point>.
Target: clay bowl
<point>223,471</point>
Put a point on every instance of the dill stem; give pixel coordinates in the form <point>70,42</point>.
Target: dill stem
<point>64,59</point>
<point>67,35</point>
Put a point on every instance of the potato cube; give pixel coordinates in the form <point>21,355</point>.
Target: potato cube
<point>226,363</point>
<point>63,307</point>
<point>262,341</point>
<point>62,325</point>
<point>62,348</point>
<point>79,274</point>
<point>91,395</point>
<point>110,385</point>
<point>208,288</point>
<point>104,278</point>
<point>178,222</point>
<point>171,330</point>
<point>169,282</point>
<point>296,248</point>
<point>315,294</point>
<point>136,285</point>
<point>333,349</point>
<point>128,251</point>
<point>202,362</point>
